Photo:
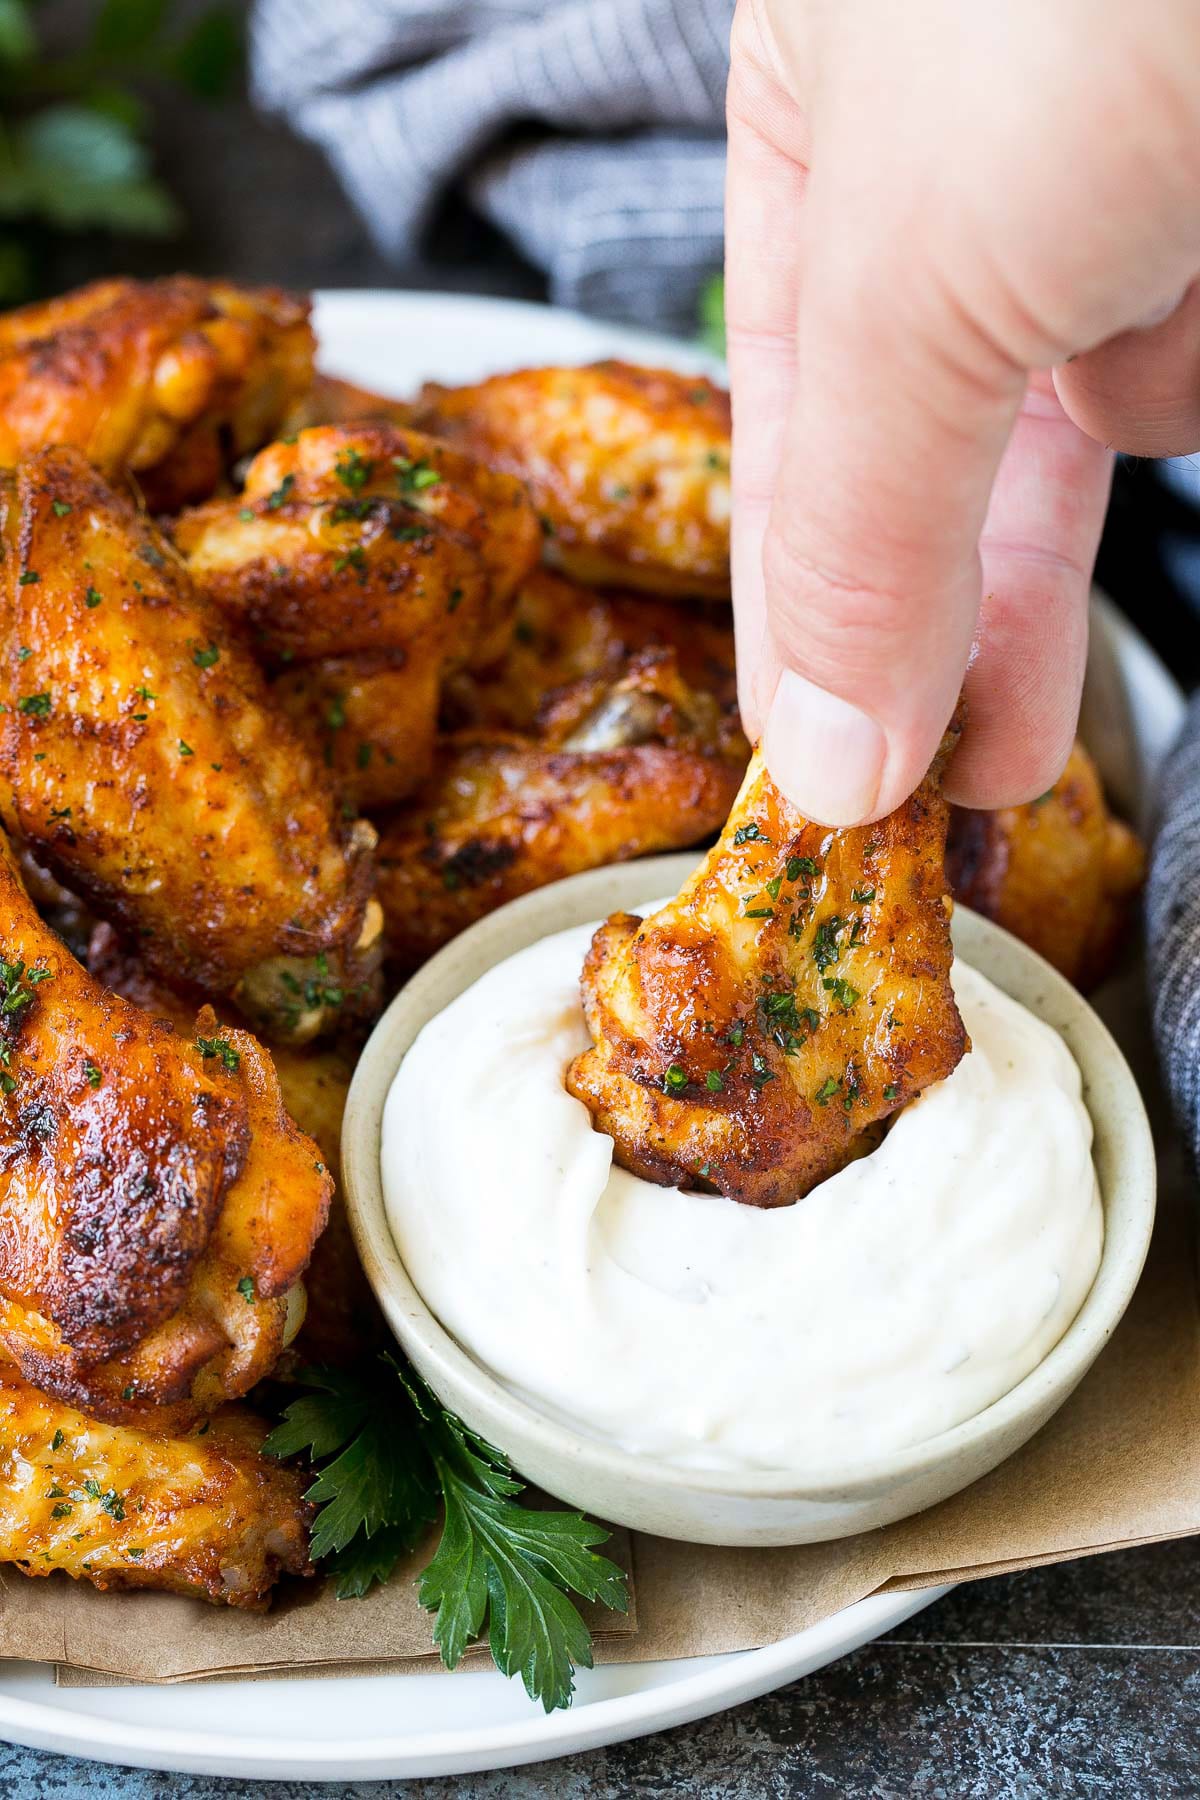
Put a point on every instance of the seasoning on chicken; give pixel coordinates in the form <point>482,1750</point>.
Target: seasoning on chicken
<point>172,380</point>
<point>157,1205</point>
<point>1061,873</point>
<point>201,1514</point>
<point>636,765</point>
<point>754,1035</point>
<point>628,467</point>
<point>143,765</point>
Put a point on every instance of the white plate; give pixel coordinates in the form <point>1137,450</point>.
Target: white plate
<point>377,1727</point>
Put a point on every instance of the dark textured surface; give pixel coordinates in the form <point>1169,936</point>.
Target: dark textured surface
<point>1080,1680</point>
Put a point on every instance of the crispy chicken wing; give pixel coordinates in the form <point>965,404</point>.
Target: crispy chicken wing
<point>361,538</point>
<point>203,1514</point>
<point>1061,873</point>
<point>628,467</point>
<point>643,765</point>
<point>564,633</point>
<point>142,763</point>
<point>158,1205</point>
<point>754,1034</point>
<point>171,379</point>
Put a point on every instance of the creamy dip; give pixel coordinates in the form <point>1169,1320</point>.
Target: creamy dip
<point>898,1298</point>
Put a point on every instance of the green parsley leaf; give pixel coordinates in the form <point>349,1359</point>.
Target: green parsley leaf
<point>675,1079</point>
<point>714,1081</point>
<point>61,508</point>
<point>827,1090</point>
<point>354,470</point>
<point>749,834</point>
<point>92,598</point>
<point>219,1047</point>
<point>27,577</point>
<point>246,1289</point>
<point>279,497</point>
<point>34,706</point>
<point>205,659</point>
<point>890,1091</point>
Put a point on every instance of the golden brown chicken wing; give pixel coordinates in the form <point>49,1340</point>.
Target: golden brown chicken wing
<point>1061,873</point>
<point>643,765</point>
<point>564,633</point>
<point>157,1205</point>
<point>361,538</point>
<point>142,763</point>
<point>628,467</point>
<point>171,379</point>
<point>203,1514</point>
<point>751,1035</point>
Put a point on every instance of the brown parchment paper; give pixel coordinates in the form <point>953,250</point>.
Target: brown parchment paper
<point>1119,1465</point>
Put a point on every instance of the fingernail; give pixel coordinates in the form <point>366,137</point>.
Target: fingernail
<point>825,755</point>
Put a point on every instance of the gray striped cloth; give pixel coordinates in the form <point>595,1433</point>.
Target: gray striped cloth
<point>590,131</point>
<point>1173,926</point>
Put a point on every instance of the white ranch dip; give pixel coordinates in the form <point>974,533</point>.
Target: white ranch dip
<point>901,1296</point>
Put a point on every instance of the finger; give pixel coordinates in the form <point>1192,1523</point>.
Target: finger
<point>764,190</point>
<point>1140,391</point>
<point>1037,548</point>
<point>873,584</point>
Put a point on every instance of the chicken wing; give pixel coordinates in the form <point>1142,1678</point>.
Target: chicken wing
<point>628,467</point>
<point>203,1514</point>
<point>142,763</point>
<point>564,633</point>
<point>331,401</point>
<point>646,765</point>
<point>171,379</point>
<point>157,1205</point>
<point>362,538</point>
<point>753,1035</point>
<point>1061,873</point>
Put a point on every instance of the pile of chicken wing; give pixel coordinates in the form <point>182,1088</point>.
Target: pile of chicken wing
<point>297,682</point>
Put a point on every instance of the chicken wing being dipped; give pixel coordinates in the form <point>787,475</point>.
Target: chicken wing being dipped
<point>1060,873</point>
<point>628,467</point>
<point>158,1205</point>
<point>629,767</point>
<point>143,766</point>
<point>170,379</point>
<point>202,1514</point>
<point>754,1035</point>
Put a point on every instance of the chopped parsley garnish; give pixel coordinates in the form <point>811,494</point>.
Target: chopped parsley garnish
<point>862,896</point>
<point>827,1090</point>
<point>245,1288</point>
<point>335,718</point>
<point>388,1458</point>
<point>63,1510</point>
<point>58,1440</point>
<point>410,534</point>
<point>135,1550</point>
<point>27,577</point>
<point>759,912</point>
<point>145,694</point>
<point>890,1091</point>
<point>24,653</point>
<point>412,476</point>
<point>773,886</point>
<point>352,559</point>
<point>761,1074</point>
<point>279,497</point>
<point>222,1049</point>
<point>185,749</point>
<point>714,1082</point>
<point>455,600</point>
<point>94,1077</point>
<point>34,706</point>
<point>843,993</point>
<point>206,659</point>
<point>675,1079</point>
<point>92,598</point>
<point>354,470</point>
<point>749,834</point>
<point>246,514</point>
<point>825,941</point>
<point>800,865</point>
<point>60,812</point>
<point>61,508</point>
<point>736,1034</point>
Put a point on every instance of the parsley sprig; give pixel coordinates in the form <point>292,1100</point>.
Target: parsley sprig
<point>389,1455</point>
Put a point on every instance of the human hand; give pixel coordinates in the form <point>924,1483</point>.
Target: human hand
<point>960,256</point>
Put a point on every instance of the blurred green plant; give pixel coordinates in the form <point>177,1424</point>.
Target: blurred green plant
<point>712,313</point>
<point>74,123</point>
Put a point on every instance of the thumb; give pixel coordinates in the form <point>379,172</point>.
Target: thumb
<point>898,422</point>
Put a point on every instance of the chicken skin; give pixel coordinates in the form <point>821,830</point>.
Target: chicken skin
<point>361,538</point>
<point>170,379</point>
<point>754,1035</point>
<point>158,1205</point>
<point>203,1514</point>
<point>628,467</point>
<point>564,633</point>
<point>143,766</point>
<point>630,767</point>
<point>1060,873</point>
